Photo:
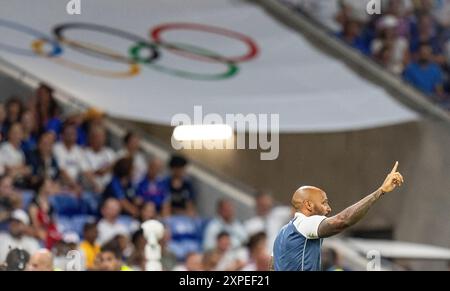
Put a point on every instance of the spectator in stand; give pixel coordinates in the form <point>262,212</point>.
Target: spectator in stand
<point>210,260</point>
<point>42,161</point>
<point>109,226</point>
<point>93,118</point>
<point>440,10</point>
<point>353,36</point>
<point>47,110</point>
<point>185,233</point>
<point>225,221</point>
<point>10,199</point>
<point>230,259</point>
<point>89,247</point>
<point>352,9</point>
<point>268,219</point>
<point>16,236</point>
<point>426,75</point>
<point>41,213</point>
<point>110,258</point>
<point>13,157</point>
<point>3,129</point>
<point>99,160</point>
<point>76,118</point>
<point>148,212</point>
<point>330,260</point>
<point>122,189</point>
<point>30,136</point>
<point>63,258</point>
<point>425,30</point>
<point>137,258</point>
<point>123,241</point>
<point>179,186</point>
<point>14,109</point>
<point>69,156</point>
<point>17,260</point>
<point>153,189</point>
<point>388,37</point>
<point>131,148</point>
<point>193,263</point>
<point>259,257</point>
<point>41,260</point>
<point>258,223</point>
<point>402,10</point>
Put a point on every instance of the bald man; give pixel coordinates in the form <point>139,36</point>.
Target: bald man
<point>297,246</point>
<point>42,260</point>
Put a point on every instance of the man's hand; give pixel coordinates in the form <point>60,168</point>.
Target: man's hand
<point>353,214</point>
<point>393,180</point>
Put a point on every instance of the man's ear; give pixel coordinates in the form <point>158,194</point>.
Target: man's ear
<point>309,205</point>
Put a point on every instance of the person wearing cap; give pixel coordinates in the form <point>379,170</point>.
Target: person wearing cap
<point>389,42</point>
<point>16,237</point>
<point>67,255</point>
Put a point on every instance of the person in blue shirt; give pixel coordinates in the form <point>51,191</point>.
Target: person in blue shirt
<point>298,245</point>
<point>153,189</point>
<point>121,187</point>
<point>354,36</point>
<point>426,75</point>
<point>186,233</point>
<point>30,137</point>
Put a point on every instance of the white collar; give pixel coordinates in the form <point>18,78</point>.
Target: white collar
<point>299,214</point>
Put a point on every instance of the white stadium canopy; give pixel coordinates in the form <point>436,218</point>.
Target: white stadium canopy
<point>149,60</point>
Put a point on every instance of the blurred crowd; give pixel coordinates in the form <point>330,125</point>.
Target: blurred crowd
<point>68,200</point>
<point>410,38</point>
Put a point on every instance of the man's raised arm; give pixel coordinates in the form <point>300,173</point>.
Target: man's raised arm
<point>353,214</point>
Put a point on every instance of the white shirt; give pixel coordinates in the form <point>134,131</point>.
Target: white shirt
<point>7,243</point>
<point>108,230</point>
<point>271,224</point>
<point>11,156</point>
<point>97,160</point>
<point>231,257</point>
<point>399,48</point>
<point>236,230</point>
<point>139,165</point>
<point>308,226</point>
<point>441,11</point>
<point>70,160</point>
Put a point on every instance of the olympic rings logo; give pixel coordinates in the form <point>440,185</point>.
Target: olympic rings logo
<point>133,59</point>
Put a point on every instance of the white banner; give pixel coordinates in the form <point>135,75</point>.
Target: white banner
<point>148,60</point>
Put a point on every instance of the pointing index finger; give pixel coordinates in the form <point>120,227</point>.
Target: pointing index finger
<point>394,169</point>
